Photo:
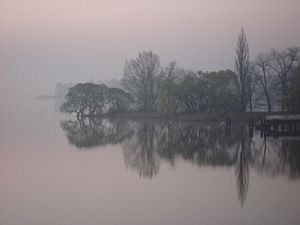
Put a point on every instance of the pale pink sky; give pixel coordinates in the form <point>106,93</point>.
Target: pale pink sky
<point>43,42</point>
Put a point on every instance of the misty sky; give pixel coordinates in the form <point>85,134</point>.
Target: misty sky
<point>43,42</point>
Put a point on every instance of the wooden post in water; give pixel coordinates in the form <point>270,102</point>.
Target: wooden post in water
<point>265,127</point>
<point>251,127</point>
<point>277,128</point>
<point>261,128</point>
<point>228,127</point>
<point>274,128</point>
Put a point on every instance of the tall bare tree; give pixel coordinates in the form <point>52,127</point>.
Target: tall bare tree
<point>242,69</point>
<point>139,78</point>
<point>294,91</point>
<point>263,76</point>
<point>252,85</point>
<point>283,63</point>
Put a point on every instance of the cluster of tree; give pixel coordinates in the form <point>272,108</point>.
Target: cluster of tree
<point>269,81</point>
<point>90,99</point>
<point>170,90</point>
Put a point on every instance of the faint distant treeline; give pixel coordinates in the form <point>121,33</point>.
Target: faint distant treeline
<point>269,82</point>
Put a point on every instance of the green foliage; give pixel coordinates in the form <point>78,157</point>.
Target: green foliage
<point>84,99</point>
<point>202,92</point>
<point>118,100</point>
<point>170,90</point>
<point>167,102</point>
<point>193,93</point>
<point>223,91</point>
<point>90,99</point>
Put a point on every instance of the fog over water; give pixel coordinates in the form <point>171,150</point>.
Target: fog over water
<point>201,161</point>
<point>62,171</point>
<point>45,42</point>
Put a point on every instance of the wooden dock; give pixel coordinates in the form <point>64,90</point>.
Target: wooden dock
<point>280,126</point>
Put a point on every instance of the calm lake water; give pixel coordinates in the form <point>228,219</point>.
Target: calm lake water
<point>55,170</point>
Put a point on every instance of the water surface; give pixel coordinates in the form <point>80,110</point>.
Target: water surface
<point>58,171</point>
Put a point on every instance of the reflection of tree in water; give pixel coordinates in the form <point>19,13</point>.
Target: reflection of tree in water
<point>89,132</point>
<point>293,157</point>
<point>242,164</point>
<point>145,144</point>
<point>274,157</point>
<point>140,152</point>
<point>203,145</point>
<point>207,145</point>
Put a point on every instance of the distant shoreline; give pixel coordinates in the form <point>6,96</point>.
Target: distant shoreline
<point>46,97</point>
<point>197,117</point>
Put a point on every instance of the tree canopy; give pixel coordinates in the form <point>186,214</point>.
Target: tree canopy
<point>140,79</point>
<point>269,82</point>
<point>90,99</point>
